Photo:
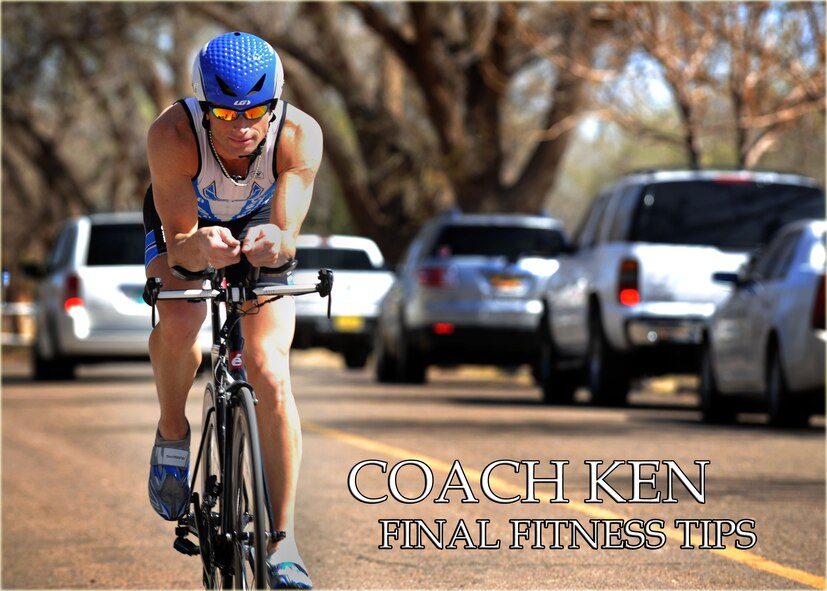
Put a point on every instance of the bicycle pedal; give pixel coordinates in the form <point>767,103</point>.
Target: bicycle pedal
<point>185,546</point>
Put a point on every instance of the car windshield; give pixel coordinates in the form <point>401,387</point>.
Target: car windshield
<point>342,259</point>
<point>495,241</point>
<point>116,244</point>
<point>730,215</point>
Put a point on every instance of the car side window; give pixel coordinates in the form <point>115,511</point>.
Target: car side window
<point>785,257</point>
<point>621,219</point>
<point>587,235</point>
<point>410,258</point>
<point>62,251</point>
<point>774,261</point>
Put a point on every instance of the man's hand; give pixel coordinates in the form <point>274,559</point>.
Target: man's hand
<point>264,246</point>
<point>219,246</point>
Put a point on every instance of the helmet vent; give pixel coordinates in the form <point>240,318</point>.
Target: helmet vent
<point>259,85</point>
<point>225,88</point>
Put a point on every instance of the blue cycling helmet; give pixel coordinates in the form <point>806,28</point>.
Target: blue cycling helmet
<point>237,70</point>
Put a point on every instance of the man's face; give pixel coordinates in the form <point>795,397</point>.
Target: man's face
<point>239,137</point>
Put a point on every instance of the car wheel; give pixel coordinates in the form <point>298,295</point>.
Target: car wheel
<point>385,367</point>
<point>49,365</point>
<point>782,410</point>
<point>410,367</point>
<point>356,358</point>
<point>714,409</point>
<point>558,386</point>
<point>607,380</point>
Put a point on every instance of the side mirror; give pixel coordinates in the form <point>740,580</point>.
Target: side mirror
<point>737,280</point>
<point>567,248</point>
<point>33,270</point>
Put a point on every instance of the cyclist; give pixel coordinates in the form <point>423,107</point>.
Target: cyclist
<point>232,172</point>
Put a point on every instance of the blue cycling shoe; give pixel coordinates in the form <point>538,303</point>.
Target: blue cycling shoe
<point>287,575</point>
<point>169,489</point>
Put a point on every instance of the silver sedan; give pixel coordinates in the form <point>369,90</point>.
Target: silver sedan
<point>764,345</point>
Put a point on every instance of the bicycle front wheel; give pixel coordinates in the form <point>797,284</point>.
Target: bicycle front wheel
<point>247,508</point>
<point>216,573</point>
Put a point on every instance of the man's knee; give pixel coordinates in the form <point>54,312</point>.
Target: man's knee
<point>270,368</point>
<point>181,321</point>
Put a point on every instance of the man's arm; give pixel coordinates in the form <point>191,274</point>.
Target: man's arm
<point>173,159</point>
<point>298,158</point>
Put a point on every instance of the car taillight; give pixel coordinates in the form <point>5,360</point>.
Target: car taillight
<point>71,292</point>
<point>732,179</point>
<point>628,288</point>
<point>818,305</point>
<point>434,277</point>
<point>443,328</point>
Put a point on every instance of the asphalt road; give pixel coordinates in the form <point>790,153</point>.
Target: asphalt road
<point>75,512</point>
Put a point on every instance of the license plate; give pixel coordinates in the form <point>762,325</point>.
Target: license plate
<point>506,283</point>
<point>348,323</point>
<point>134,292</point>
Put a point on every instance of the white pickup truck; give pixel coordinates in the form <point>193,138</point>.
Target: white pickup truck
<point>632,297</point>
<point>361,281</point>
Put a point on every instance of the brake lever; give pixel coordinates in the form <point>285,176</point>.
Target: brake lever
<point>151,289</point>
<point>325,287</point>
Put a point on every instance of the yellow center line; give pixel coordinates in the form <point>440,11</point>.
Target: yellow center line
<point>744,557</point>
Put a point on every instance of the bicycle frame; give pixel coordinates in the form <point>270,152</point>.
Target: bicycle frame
<point>228,377</point>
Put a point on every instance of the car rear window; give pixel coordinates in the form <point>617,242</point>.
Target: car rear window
<point>730,215</point>
<point>509,241</point>
<point>343,259</point>
<point>116,244</point>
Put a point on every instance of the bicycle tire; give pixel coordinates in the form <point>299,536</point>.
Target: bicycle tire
<point>247,506</point>
<point>208,515</point>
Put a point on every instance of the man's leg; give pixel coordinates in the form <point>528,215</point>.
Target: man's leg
<point>268,336</point>
<point>175,354</point>
<point>174,350</point>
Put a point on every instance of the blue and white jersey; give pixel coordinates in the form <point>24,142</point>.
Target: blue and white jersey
<point>219,199</point>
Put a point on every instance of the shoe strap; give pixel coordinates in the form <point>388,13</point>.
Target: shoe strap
<point>170,456</point>
<point>281,567</point>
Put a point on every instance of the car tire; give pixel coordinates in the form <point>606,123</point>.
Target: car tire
<point>50,368</point>
<point>715,408</point>
<point>410,367</point>
<point>356,358</point>
<point>385,367</point>
<point>782,410</point>
<point>606,378</point>
<point>558,386</point>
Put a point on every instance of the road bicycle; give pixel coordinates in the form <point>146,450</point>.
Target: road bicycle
<point>230,514</point>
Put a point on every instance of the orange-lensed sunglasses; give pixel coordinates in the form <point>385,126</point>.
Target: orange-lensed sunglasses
<point>252,113</point>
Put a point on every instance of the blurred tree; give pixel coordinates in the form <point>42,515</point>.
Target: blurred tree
<point>764,61</point>
<point>414,98</point>
<point>81,83</point>
<point>424,105</point>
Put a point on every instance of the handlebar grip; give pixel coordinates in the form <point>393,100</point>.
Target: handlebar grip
<point>255,272</point>
<point>187,275</point>
<point>286,267</point>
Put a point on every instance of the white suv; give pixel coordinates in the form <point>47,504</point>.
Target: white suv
<point>633,297</point>
<point>89,304</point>
<point>362,280</point>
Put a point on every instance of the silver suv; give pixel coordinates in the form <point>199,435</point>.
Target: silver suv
<point>89,303</point>
<point>467,291</point>
<point>633,297</point>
